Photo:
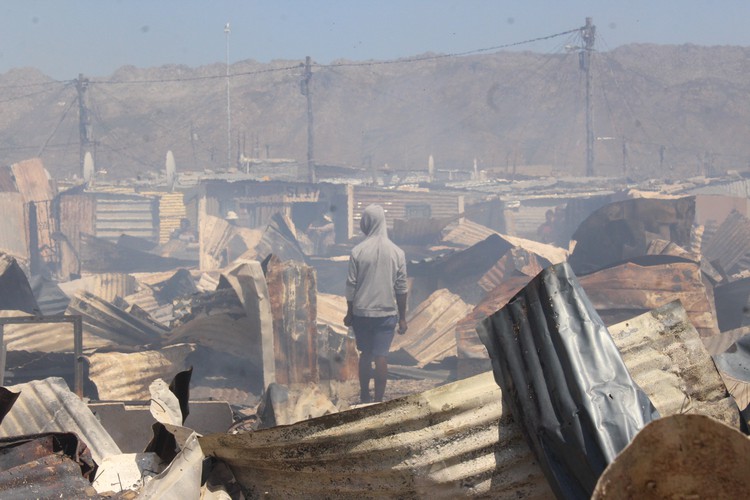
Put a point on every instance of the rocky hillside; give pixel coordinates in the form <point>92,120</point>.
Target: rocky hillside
<point>684,109</point>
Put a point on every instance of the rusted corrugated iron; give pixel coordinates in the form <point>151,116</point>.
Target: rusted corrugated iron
<point>730,245</point>
<point>291,289</point>
<point>664,247</point>
<point>459,272</point>
<point>453,441</point>
<point>623,230</point>
<point>472,355</point>
<point>49,465</point>
<point>35,184</point>
<point>621,292</point>
<point>49,406</point>
<point>406,204</point>
<point>468,233</point>
<point>77,214</point>
<point>515,262</point>
<point>666,357</point>
<point>681,456</point>
<point>432,329</point>
<point>106,286</point>
<point>123,376</point>
<point>106,325</point>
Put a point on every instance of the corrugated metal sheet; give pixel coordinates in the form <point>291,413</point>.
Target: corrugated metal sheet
<point>395,203</point>
<point>49,406</point>
<point>106,286</point>
<point>291,290</point>
<point>146,300</point>
<point>37,337</point>
<point>331,312</point>
<point>515,262</point>
<point>739,188</point>
<point>171,211</point>
<point>106,325</point>
<point>33,181</point>
<point>49,465</point>
<point>77,215</point>
<point>666,357</point>
<point>432,328</point>
<point>127,376</point>
<point>133,215</point>
<point>468,344</point>
<point>730,245</point>
<point>470,233</point>
<point>14,238</point>
<point>629,289</point>
<point>449,442</point>
<point>564,380</point>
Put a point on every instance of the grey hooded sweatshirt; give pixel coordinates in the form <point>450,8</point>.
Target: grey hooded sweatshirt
<point>377,269</point>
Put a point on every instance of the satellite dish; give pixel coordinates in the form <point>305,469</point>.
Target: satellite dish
<point>171,172</point>
<point>88,167</point>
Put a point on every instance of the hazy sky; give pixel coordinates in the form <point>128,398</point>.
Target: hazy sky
<point>63,38</point>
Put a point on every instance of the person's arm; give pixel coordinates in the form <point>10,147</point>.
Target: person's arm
<point>401,303</point>
<point>351,289</point>
<point>349,313</point>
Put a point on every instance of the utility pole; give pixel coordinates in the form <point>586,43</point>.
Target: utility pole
<point>84,121</point>
<point>305,89</point>
<point>588,33</point>
<point>227,31</point>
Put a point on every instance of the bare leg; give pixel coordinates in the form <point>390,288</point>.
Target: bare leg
<point>365,373</point>
<point>381,377</point>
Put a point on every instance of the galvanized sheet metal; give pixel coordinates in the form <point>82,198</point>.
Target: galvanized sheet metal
<point>666,357</point>
<point>49,406</point>
<point>133,215</point>
<point>122,376</point>
<point>395,203</point>
<point>448,442</point>
<point>565,380</point>
<point>37,337</point>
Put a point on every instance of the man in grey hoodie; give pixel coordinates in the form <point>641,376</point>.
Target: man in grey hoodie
<point>376,299</point>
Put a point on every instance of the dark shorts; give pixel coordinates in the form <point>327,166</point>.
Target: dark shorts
<point>374,335</point>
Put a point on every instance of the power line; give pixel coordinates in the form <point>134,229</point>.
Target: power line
<point>339,65</point>
<point>444,56</point>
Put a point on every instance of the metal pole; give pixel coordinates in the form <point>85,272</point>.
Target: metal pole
<point>227,31</point>
<point>588,32</point>
<point>3,351</point>
<point>306,91</point>
<point>78,355</point>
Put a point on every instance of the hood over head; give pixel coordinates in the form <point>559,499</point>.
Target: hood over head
<point>373,221</point>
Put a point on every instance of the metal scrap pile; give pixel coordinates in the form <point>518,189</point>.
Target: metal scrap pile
<point>550,370</point>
